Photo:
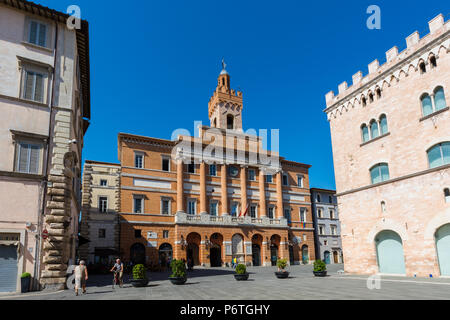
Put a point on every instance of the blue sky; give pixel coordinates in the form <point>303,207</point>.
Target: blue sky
<point>154,65</point>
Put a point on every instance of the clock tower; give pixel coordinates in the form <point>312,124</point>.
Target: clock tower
<point>225,106</point>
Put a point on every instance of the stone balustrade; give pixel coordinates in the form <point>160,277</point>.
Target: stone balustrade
<point>206,219</point>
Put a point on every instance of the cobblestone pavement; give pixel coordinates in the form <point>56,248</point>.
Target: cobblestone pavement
<point>219,283</point>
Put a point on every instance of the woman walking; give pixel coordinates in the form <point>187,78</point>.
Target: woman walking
<point>81,275</point>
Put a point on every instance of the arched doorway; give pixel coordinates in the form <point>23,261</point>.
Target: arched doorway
<point>326,257</point>
<point>137,253</point>
<point>215,252</point>
<point>335,257</point>
<point>274,244</point>
<point>305,254</point>
<point>390,252</point>
<point>237,247</point>
<point>442,237</point>
<point>192,251</point>
<point>256,249</point>
<point>165,254</point>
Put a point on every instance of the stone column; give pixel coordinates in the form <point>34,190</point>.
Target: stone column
<point>262,194</point>
<point>180,196</point>
<point>223,187</point>
<point>279,213</point>
<point>203,205</point>
<point>243,189</point>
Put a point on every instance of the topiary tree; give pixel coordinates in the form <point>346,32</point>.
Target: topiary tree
<point>241,269</point>
<point>281,264</point>
<point>319,266</point>
<point>25,275</point>
<point>139,272</point>
<point>178,269</point>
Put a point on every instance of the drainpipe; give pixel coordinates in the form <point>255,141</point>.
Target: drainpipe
<point>44,185</point>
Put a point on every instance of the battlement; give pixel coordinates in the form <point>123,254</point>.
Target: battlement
<point>417,50</point>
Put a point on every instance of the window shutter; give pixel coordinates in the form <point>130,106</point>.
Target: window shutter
<point>384,172</point>
<point>427,107</point>
<point>434,157</point>
<point>22,164</point>
<point>383,123</point>
<point>439,99</point>
<point>29,83</point>
<point>446,152</point>
<point>42,35</point>
<point>39,88</point>
<point>34,158</point>
<point>375,174</point>
<point>374,129</point>
<point>33,32</point>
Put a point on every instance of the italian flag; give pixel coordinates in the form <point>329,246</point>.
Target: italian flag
<point>245,212</point>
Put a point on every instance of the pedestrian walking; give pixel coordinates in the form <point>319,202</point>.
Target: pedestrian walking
<point>81,276</point>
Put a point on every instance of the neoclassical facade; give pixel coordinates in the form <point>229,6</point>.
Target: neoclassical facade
<point>391,149</point>
<point>214,197</point>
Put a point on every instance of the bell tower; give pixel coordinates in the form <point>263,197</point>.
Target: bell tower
<point>225,106</point>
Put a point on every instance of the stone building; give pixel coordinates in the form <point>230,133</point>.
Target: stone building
<point>45,107</point>
<point>180,201</point>
<point>100,207</point>
<point>327,227</point>
<point>391,149</point>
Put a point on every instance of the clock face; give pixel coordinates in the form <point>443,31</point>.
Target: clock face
<point>233,171</point>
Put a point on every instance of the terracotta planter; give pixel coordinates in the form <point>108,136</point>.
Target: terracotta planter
<point>320,273</point>
<point>139,282</point>
<point>282,274</point>
<point>178,280</point>
<point>241,277</point>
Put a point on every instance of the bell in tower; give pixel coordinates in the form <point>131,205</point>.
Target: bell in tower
<point>225,106</point>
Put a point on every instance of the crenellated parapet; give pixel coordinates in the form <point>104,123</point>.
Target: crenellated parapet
<point>364,89</point>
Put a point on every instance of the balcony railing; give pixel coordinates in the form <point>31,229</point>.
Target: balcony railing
<point>206,219</point>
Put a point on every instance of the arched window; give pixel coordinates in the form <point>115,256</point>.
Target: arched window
<point>365,133</point>
<point>363,101</point>
<point>378,91</point>
<point>422,67</point>
<point>371,97</point>
<point>379,173</point>
<point>215,123</point>
<point>383,206</point>
<point>383,124</point>
<point>230,122</point>
<point>447,195</point>
<point>439,155</point>
<point>427,106</point>
<point>374,129</point>
<point>433,61</point>
<point>318,198</point>
<point>439,98</point>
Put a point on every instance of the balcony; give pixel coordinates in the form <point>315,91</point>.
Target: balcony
<point>206,219</point>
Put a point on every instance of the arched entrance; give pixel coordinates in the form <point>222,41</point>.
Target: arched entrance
<point>137,253</point>
<point>165,254</point>
<point>326,257</point>
<point>256,249</point>
<point>335,257</point>
<point>390,252</point>
<point>305,254</point>
<point>192,251</point>
<point>442,237</point>
<point>237,247</point>
<point>274,244</point>
<point>215,252</point>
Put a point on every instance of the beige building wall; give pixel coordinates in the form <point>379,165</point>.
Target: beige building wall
<point>414,204</point>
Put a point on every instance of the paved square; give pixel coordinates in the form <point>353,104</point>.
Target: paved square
<point>219,283</point>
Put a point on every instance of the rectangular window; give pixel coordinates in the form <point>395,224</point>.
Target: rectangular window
<point>165,164</point>
<point>28,157</point>
<point>251,175</point>
<point>234,209</point>
<point>300,181</point>
<point>191,168</point>
<point>285,180</point>
<point>302,214</point>
<point>270,212</point>
<point>192,206</point>
<point>212,170</point>
<point>103,204</point>
<point>138,204</point>
<point>33,86</point>
<point>319,213</point>
<point>165,234</point>
<point>102,233</point>
<point>333,230</point>
<point>165,206</point>
<point>321,230</point>
<point>268,178</point>
<point>103,183</point>
<point>213,208</point>
<point>287,214</point>
<point>332,215</point>
<point>138,160</point>
<point>253,211</point>
<point>137,233</point>
<point>37,34</point>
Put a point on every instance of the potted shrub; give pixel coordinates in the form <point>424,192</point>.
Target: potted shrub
<point>178,275</point>
<point>139,276</point>
<point>25,280</point>
<point>282,273</point>
<point>241,272</point>
<point>320,268</point>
